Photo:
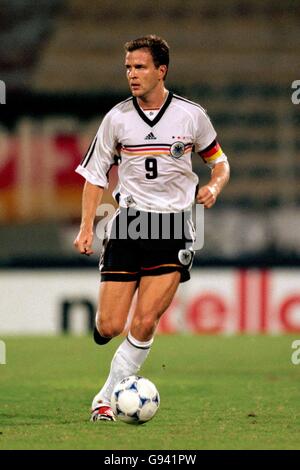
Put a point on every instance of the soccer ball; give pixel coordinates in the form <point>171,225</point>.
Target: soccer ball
<point>135,400</point>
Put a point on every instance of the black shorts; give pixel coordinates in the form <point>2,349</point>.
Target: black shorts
<point>129,256</point>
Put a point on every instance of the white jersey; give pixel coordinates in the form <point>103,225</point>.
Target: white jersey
<point>155,171</point>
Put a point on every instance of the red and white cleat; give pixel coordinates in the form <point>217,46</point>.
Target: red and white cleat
<point>103,413</point>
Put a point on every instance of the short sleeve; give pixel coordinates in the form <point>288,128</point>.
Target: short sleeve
<point>204,132</point>
<point>100,155</point>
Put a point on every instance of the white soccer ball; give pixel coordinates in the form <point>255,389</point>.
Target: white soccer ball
<point>135,400</point>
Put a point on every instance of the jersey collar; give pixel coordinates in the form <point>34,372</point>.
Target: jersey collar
<point>157,118</point>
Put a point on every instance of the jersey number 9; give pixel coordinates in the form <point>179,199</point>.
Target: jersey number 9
<point>151,168</point>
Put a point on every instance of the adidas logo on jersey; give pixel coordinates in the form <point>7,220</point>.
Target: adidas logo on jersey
<point>150,136</point>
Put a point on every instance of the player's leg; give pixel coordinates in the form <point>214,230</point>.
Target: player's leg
<point>155,294</point>
<point>114,303</point>
<point>119,268</point>
<point>165,263</point>
<point>154,297</point>
<point>119,275</point>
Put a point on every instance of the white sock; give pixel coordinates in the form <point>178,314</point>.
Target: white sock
<point>127,360</point>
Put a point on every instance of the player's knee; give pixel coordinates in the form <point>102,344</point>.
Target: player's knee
<point>109,329</point>
<point>146,325</point>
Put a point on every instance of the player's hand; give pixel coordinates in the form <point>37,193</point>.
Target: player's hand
<point>207,195</point>
<point>83,242</point>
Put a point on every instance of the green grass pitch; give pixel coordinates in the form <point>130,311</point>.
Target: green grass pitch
<point>216,393</point>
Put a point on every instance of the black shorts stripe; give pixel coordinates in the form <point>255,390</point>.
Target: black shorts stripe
<point>120,272</point>
<point>161,266</point>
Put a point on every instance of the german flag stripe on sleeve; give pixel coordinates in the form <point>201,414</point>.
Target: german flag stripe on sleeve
<point>212,152</point>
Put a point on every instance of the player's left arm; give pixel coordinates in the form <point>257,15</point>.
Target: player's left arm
<point>208,193</point>
<point>209,149</point>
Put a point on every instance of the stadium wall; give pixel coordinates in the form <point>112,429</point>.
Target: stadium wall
<point>215,301</point>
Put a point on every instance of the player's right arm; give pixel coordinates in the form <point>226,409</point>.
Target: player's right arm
<point>95,168</point>
<point>91,198</point>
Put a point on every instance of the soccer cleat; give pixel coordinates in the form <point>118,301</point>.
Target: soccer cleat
<point>103,413</point>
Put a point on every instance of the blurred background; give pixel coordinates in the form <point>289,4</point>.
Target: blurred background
<point>62,64</point>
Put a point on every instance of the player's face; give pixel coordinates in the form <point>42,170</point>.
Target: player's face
<point>142,75</point>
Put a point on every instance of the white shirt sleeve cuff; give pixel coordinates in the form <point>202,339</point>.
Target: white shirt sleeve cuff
<point>96,180</point>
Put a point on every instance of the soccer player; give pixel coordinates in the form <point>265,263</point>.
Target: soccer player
<point>153,133</point>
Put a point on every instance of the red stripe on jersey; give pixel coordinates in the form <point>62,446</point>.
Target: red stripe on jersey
<point>144,149</point>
